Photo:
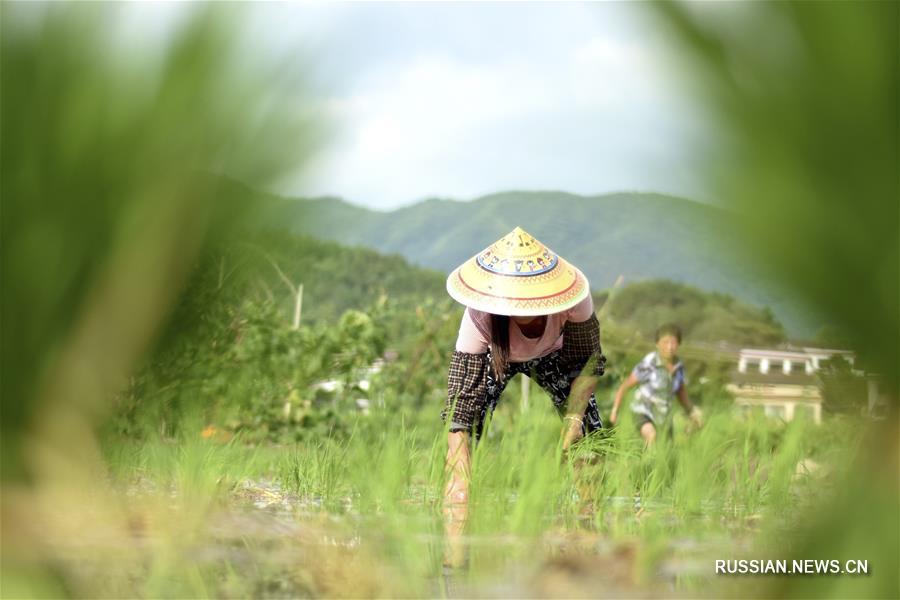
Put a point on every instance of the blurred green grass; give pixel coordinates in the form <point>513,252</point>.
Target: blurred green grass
<point>803,98</point>
<point>111,158</point>
<point>728,490</point>
<point>109,187</point>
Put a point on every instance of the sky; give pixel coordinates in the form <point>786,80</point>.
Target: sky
<point>460,100</point>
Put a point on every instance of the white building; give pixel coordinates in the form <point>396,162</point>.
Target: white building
<point>781,383</point>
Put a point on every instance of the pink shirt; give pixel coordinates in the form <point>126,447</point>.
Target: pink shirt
<point>475,332</point>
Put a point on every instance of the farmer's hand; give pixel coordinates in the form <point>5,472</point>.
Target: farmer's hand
<point>696,416</point>
<point>571,431</point>
<point>614,416</point>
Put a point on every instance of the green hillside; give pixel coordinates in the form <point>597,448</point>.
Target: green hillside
<point>236,321</point>
<point>268,266</point>
<point>230,351</point>
<point>703,316</point>
<point>638,236</point>
<point>265,267</point>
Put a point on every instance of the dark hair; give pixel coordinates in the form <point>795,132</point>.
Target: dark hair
<point>499,344</point>
<point>669,329</point>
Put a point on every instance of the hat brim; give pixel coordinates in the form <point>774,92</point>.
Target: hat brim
<point>518,296</point>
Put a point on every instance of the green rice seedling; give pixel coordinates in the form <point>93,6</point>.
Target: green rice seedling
<point>315,470</point>
<point>378,497</point>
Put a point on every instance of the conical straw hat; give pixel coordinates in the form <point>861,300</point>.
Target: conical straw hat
<point>518,276</point>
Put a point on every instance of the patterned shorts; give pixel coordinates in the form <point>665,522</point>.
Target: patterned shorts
<point>665,425</point>
<point>549,373</point>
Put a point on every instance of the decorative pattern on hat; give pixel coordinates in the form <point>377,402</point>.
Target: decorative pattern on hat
<point>519,276</point>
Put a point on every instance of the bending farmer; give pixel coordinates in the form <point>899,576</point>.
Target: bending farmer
<point>527,311</point>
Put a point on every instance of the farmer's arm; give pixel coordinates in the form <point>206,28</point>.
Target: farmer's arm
<point>456,495</point>
<point>626,385</point>
<point>684,401</point>
<point>466,390</point>
<point>582,388</point>
<point>580,394</point>
<point>458,467</point>
<point>581,350</point>
<point>692,411</point>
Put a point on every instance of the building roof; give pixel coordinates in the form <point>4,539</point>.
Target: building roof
<point>793,353</point>
<point>783,354</point>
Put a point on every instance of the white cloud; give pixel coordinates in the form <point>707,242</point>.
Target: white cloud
<point>610,73</point>
<point>412,121</point>
<point>553,100</point>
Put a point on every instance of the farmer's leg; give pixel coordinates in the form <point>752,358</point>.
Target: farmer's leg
<point>548,374</point>
<point>592,420</point>
<point>493,390</point>
<point>648,432</point>
<point>556,379</point>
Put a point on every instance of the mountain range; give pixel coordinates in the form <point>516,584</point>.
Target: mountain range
<point>636,235</point>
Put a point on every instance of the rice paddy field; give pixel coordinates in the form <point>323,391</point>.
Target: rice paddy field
<point>163,435</point>
<point>207,515</point>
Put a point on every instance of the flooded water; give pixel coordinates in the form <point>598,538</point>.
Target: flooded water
<point>256,539</point>
<point>274,535</point>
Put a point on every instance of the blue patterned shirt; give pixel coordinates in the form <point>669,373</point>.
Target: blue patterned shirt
<point>656,387</point>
